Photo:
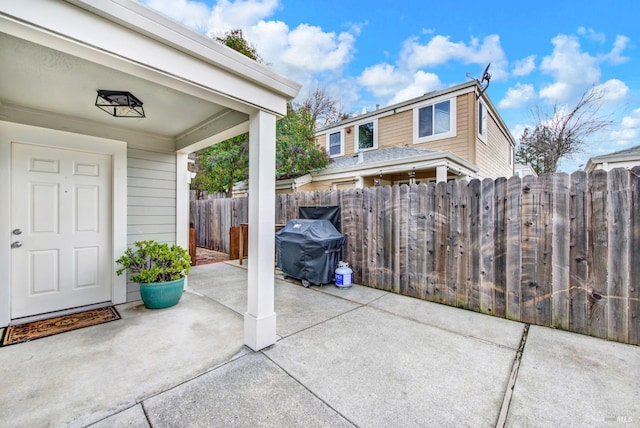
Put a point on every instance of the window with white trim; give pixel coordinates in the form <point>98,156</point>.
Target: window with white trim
<point>335,145</point>
<point>435,121</point>
<point>482,121</point>
<point>366,136</point>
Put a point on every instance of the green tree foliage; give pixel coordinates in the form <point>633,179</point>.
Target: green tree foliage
<point>296,151</point>
<point>236,41</point>
<point>562,133</point>
<point>221,165</point>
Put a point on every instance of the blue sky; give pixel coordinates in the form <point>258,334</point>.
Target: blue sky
<point>381,52</point>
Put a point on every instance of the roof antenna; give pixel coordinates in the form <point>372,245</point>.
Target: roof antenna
<point>485,76</point>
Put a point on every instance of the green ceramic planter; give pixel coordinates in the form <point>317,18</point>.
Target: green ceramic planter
<point>159,295</point>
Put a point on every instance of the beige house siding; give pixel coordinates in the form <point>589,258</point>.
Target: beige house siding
<point>495,157</point>
<point>151,201</point>
<point>346,183</point>
<point>396,130</point>
<point>321,141</point>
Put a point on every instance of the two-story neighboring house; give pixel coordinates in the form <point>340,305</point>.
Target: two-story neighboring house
<point>448,134</point>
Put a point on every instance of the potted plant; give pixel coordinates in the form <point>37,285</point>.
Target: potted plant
<point>159,269</point>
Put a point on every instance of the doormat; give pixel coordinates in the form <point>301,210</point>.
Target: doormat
<point>43,328</point>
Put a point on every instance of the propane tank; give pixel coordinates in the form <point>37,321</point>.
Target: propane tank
<point>343,275</point>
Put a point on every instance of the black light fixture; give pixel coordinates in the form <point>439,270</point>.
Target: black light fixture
<point>119,103</point>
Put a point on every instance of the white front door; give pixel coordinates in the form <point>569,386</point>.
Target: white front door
<point>61,229</point>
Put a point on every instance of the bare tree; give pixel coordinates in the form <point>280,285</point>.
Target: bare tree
<point>562,133</point>
<point>323,108</point>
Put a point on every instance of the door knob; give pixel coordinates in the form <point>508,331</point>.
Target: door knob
<point>17,231</point>
<point>16,244</point>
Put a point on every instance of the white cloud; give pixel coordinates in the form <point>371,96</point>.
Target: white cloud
<point>555,92</point>
<point>386,80</point>
<point>615,55</point>
<point>440,50</point>
<point>518,96</point>
<point>571,68</point>
<point>313,50</point>
<point>568,63</point>
<point>629,131</point>
<point>227,15</point>
<point>517,131</point>
<point>592,34</point>
<point>422,83</point>
<point>613,90</point>
<point>193,14</point>
<point>574,70</point>
<point>383,79</point>
<point>524,66</point>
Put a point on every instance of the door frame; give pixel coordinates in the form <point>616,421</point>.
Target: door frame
<point>19,133</point>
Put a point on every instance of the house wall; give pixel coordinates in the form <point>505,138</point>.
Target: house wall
<point>395,130</point>
<point>151,200</point>
<point>324,185</point>
<point>608,166</point>
<point>458,145</point>
<point>494,157</point>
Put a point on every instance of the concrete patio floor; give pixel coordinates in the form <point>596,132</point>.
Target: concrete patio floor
<point>345,357</point>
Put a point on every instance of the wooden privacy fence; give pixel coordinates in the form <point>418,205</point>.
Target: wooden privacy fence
<point>214,217</point>
<point>557,250</point>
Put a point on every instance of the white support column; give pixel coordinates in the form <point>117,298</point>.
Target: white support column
<point>182,204</point>
<point>260,318</point>
<point>441,173</point>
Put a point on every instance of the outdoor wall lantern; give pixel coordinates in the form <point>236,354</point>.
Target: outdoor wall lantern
<point>119,103</point>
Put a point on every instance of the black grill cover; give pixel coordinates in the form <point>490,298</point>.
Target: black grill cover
<point>309,250</point>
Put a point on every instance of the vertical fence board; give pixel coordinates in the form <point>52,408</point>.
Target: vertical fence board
<point>529,280</point>
<point>545,251</point>
<point>280,216</point>
<point>421,242</point>
<point>412,253</point>
<point>618,276</point>
<point>500,246</point>
<point>464,226</point>
<point>474,254</point>
<point>357,247</point>
<point>369,234</point>
<point>578,267</point>
<point>454,239</point>
<point>349,229</point>
<point>487,247</point>
<point>430,240</point>
<point>388,241</point>
<point>560,284</point>
<point>598,255</point>
<point>441,242</point>
<point>395,224</point>
<point>634,258</point>
<point>377,273</point>
<point>403,248</point>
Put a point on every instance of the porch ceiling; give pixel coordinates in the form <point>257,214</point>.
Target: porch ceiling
<point>38,79</point>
